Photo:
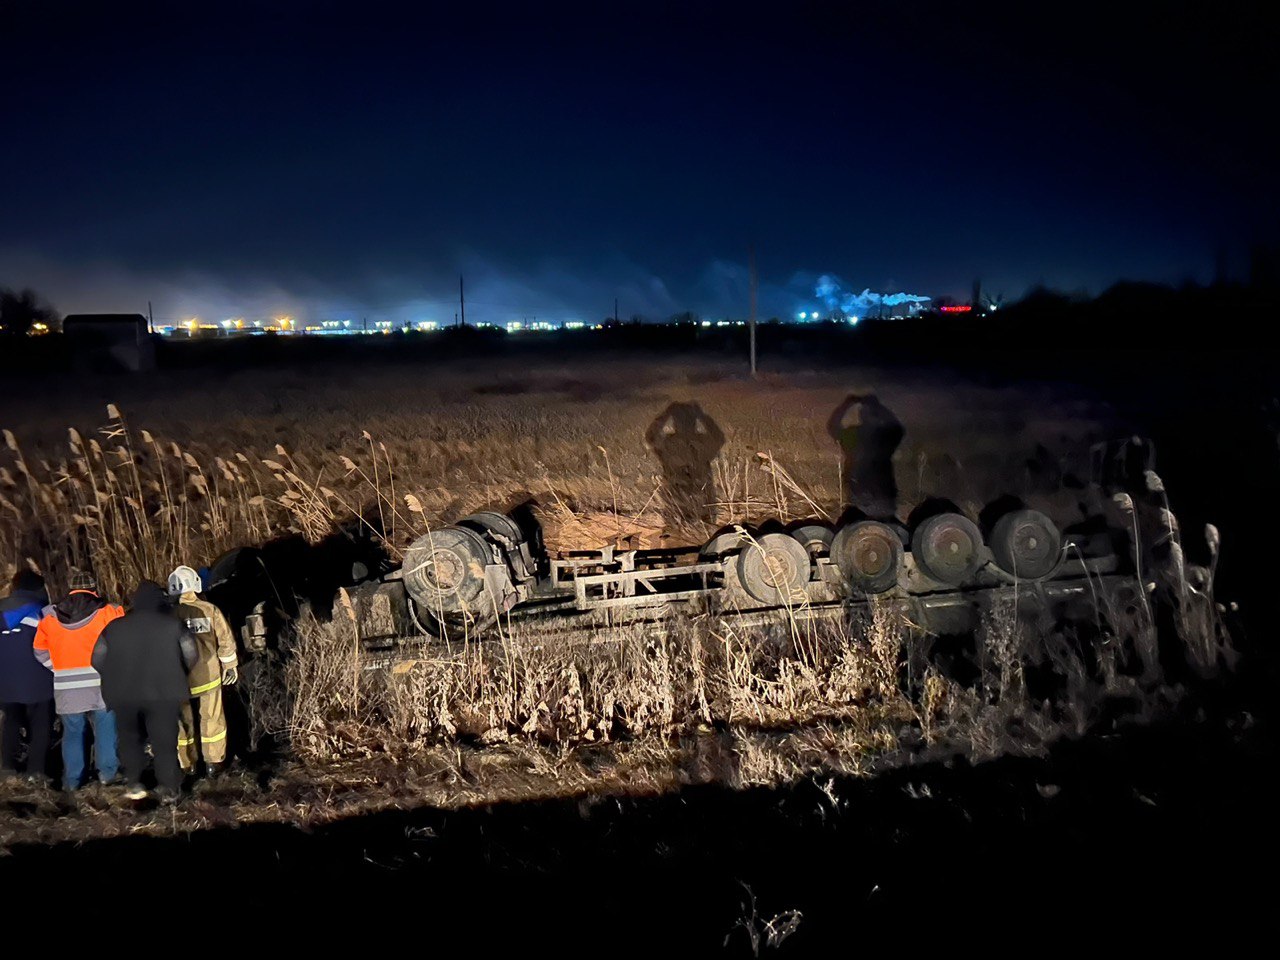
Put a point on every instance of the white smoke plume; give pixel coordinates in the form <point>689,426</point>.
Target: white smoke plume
<point>830,290</point>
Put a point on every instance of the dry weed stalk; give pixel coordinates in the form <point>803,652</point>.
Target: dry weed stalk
<point>555,686</point>
<point>127,505</point>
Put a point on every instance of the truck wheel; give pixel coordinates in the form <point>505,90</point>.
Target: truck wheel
<point>868,555</point>
<point>814,537</point>
<point>774,569</point>
<point>1026,544</point>
<point>948,548</point>
<point>444,570</point>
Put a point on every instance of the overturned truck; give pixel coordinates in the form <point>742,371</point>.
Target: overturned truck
<point>1120,569</point>
<point>467,576</point>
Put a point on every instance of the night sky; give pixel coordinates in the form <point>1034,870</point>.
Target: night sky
<point>334,160</point>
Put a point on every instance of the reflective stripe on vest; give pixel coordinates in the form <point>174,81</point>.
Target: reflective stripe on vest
<point>75,678</point>
<point>76,684</point>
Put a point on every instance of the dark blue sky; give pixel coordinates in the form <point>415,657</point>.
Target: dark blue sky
<point>345,159</point>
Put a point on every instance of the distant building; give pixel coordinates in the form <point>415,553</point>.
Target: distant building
<point>109,342</point>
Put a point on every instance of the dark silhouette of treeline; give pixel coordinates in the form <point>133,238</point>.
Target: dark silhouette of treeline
<point>23,310</point>
<point>1047,334</point>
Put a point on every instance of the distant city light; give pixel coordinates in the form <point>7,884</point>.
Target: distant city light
<point>290,325</point>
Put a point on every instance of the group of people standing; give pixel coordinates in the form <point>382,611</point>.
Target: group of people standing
<point>138,675</point>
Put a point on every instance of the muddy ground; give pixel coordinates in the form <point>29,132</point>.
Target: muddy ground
<point>1137,838</point>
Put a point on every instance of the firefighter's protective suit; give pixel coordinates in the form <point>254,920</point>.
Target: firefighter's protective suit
<point>215,667</point>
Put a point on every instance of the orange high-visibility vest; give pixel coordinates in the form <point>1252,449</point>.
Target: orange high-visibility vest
<point>70,648</point>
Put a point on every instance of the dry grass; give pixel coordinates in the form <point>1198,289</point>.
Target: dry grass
<point>550,711</point>
<point>128,505</point>
<point>248,461</point>
<point>562,686</point>
<point>636,711</point>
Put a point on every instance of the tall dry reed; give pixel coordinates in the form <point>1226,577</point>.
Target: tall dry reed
<point>564,685</point>
<point>126,504</point>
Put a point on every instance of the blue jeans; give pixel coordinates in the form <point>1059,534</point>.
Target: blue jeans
<point>104,743</point>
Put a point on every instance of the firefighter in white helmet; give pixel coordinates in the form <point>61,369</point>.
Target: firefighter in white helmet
<point>214,669</point>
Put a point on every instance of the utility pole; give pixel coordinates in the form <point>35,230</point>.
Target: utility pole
<point>151,324</point>
<point>462,301</point>
<point>751,255</point>
<point>615,310</point>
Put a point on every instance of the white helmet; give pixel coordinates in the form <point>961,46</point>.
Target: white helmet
<point>184,580</point>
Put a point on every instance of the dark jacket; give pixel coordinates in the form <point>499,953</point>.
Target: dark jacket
<point>23,679</point>
<point>145,655</point>
<point>77,607</point>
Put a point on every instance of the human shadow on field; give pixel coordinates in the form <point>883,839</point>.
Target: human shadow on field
<point>686,442</point>
<point>868,433</point>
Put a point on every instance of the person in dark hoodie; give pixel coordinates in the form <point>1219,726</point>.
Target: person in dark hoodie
<point>26,687</point>
<point>64,643</point>
<point>144,658</point>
